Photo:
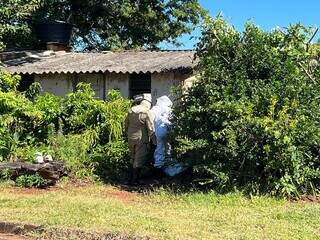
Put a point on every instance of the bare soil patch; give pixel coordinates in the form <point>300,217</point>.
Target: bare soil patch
<point>17,231</point>
<point>122,195</point>
<point>29,191</point>
<point>310,199</point>
<point>66,234</point>
<point>4,236</point>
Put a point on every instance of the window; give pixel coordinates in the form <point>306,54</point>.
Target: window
<point>139,83</point>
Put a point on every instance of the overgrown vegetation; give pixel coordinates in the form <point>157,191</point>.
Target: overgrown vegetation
<point>73,129</point>
<point>252,118</point>
<point>250,121</point>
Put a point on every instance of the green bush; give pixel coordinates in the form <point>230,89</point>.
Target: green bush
<point>19,119</point>
<point>251,120</point>
<point>81,111</point>
<point>27,153</point>
<point>6,174</point>
<point>29,181</point>
<point>69,128</point>
<point>8,82</point>
<point>112,160</point>
<point>74,150</point>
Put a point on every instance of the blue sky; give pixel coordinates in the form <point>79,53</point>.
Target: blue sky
<point>265,13</point>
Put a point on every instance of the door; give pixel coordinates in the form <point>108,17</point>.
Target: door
<point>139,83</point>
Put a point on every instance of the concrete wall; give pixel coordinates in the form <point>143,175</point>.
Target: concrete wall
<point>58,84</point>
<point>118,81</point>
<point>96,81</point>
<point>61,84</point>
<point>163,84</point>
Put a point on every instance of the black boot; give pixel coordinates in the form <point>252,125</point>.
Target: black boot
<point>130,177</point>
<point>158,173</point>
<point>135,180</point>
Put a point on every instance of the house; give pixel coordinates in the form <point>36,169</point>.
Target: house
<point>131,72</point>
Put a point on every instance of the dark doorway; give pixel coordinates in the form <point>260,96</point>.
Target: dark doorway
<point>139,83</point>
<point>25,82</point>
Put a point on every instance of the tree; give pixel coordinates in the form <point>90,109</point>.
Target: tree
<point>15,31</point>
<point>251,120</point>
<point>105,24</point>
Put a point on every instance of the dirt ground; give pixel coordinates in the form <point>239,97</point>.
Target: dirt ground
<point>4,236</point>
<point>310,199</point>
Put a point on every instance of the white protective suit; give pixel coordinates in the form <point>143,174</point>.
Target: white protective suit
<point>161,114</point>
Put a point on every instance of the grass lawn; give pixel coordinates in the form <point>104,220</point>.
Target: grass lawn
<point>162,215</point>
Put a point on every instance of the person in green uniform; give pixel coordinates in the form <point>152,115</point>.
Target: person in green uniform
<point>140,132</point>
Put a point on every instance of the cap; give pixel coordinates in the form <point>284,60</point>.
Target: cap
<point>147,97</point>
<point>138,98</point>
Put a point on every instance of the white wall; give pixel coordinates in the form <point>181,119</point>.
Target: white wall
<point>96,81</point>
<point>119,81</point>
<point>58,84</point>
<point>61,84</point>
<point>162,84</point>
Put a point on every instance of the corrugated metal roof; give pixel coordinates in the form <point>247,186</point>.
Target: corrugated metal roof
<point>44,62</point>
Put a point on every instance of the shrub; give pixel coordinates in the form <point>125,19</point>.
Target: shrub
<point>74,150</point>
<point>51,107</point>
<point>82,111</point>
<point>6,174</point>
<point>251,120</point>
<point>29,181</point>
<point>33,91</point>
<point>88,123</point>
<point>19,121</point>
<point>27,153</point>
<point>8,82</point>
<point>112,160</point>
<point>8,144</point>
<point>69,128</point>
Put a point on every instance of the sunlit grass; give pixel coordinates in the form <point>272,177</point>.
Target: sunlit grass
<point>162,215</point>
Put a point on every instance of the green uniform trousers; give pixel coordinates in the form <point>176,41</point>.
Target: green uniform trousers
<point>139,152</point>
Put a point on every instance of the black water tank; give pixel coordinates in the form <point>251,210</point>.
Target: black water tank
<point>57,32</point>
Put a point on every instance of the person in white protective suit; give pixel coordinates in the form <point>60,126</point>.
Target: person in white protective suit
<point>161,114</point>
